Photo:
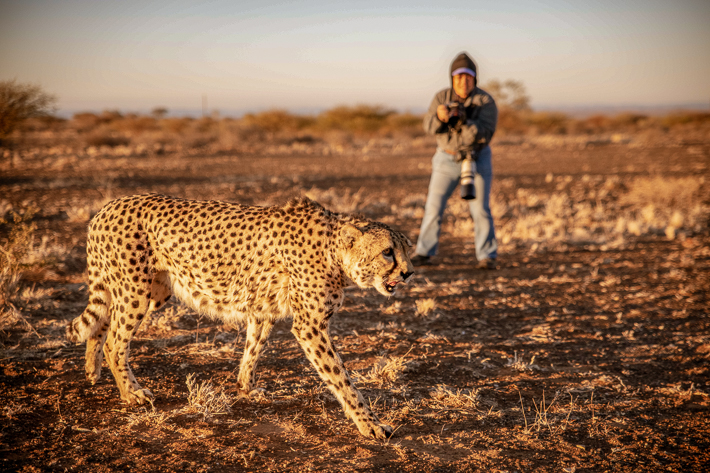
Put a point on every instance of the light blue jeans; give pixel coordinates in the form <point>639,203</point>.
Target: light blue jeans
<point>445,176</point>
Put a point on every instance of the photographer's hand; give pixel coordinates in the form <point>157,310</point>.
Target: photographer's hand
<point>442,113</point>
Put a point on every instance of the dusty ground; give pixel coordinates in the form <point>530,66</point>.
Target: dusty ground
<point>582,355</point>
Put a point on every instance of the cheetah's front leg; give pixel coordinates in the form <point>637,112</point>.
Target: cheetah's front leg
<point>314,338</point>
<point>258,331</point>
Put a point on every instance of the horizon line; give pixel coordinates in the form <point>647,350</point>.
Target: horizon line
<point>577,109</point>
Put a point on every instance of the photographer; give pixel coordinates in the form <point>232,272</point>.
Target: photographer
<point>463,118</point>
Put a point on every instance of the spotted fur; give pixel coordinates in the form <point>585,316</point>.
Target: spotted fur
<point>239,264</point>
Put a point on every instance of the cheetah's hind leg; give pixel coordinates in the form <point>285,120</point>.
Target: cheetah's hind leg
<point>92,326</point>
<point>126,315</point>
<point>94,353</point>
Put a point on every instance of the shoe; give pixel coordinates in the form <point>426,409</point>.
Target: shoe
<point>419,260</point>
<point>487,263</point>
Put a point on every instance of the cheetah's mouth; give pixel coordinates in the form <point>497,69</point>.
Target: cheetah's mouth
<point>389,286</point>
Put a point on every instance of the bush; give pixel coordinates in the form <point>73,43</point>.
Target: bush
<point>629,120</point>
<point>513,105</point>
<point>512,122</point>
<point>276,121</point>
<point>176,125</point>
<point>361,119</point>
<point>19,102</point>
<point>84,121</point>
<point>549,122</point>
<point>510,94</point>
<point>406,123</point>
<point>685,118</point>
<point>103,136</point>
<point>135,124</point>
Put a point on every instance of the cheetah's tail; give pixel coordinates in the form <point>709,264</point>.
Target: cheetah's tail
<point>83,327</point>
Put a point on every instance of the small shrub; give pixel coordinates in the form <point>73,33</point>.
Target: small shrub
<point>405,123</point>
<point>108,116</point>
<point>512,121</point>
<point>276,121</point>
<point>135,124</point>
<point>105,137</point>
<point>549,122</point>
<point>593,124</point>
<point>176,125</point>
<point>684,118</point>
<point>159,112</point>
<point>205,124</point>
<point>85,121</point>
<point>198,140</point>
<point>629,120</point>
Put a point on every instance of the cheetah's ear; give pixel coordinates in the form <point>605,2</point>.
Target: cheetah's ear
<point>410,245</point>
<point>349,234</point>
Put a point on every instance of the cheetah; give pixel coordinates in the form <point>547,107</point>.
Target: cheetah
<point>239,264</point>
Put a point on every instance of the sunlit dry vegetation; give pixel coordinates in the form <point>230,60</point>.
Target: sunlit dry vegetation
<point>587,350</point>
<point>339,130</point>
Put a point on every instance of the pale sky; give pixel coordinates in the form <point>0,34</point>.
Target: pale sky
<point>313,55</point>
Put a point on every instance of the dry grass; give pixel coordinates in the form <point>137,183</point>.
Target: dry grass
<point>83,212</point>
<point>205,399</point>
<point>393,308</point>
<point>446,398</point>
<point>588,212</point>
<point>335,131</point>
<point>148,418</point>
<point>14,251</point>
<point>520,364</point>
<point>618,335</point>
<point>425,306</point>
<point>549,415</point>
<point>385,373</point>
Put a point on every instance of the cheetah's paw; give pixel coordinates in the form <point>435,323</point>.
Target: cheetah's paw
<point>376,430</point>
<point>138,396</point>
<point>93,377</point>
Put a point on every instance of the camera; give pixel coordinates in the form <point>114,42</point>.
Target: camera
<point>468,169</point>
<point>457,113</point>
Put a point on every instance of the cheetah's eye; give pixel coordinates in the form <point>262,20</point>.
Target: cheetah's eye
<point>389,252</point>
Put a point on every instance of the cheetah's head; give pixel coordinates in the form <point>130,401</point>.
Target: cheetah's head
<point>376,256</point>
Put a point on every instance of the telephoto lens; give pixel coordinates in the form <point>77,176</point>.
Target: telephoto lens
<point>468,169</point>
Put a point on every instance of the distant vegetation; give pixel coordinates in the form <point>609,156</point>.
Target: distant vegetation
<point>26,120</point>
<point>18,102</point>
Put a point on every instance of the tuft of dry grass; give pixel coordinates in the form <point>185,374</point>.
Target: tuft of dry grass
<point>147,417</point>
<point>205,399</point>
<point>520,365</point>
<point>550,415</point>
<point>385,372</point>
<point>392,309</point>
<point>425,306</point>
<point>445,398</point>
